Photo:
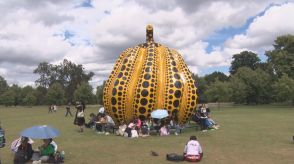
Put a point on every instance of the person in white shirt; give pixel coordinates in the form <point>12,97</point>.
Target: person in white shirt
<point>193,151</point>
<point>109,124</point>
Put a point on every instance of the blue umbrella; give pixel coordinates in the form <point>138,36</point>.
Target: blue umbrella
<point>159,113</point>
<point>40,132</point>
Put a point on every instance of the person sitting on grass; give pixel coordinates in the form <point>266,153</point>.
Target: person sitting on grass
<point>92,121</point>
<point>210,123</point>
<point>100,124</point>
<point>121,129</point>
<point>164,130</point>
<point>193,151</point>
<point>145,130</point>
<point>24,151</point>
<point>109,124</point>
<point>46,151</point>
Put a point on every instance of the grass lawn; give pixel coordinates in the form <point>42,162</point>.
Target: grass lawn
<point>248,134</point>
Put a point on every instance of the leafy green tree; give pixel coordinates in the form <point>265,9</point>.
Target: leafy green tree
<point>99,93</point>
<point>284,89</point>
<point>17,94</point>
<point>7,98</point>
<point>3,85</point>
<point>282,57</point>
<point>219,92</point>
<point>201,88</point>
<point>84,93</point>
<point>68,74</point>
<point>55,94</point>
<point>24,92</point>
<point>251,86</point>
<point>244,59</point>
<point>40,93</point>
<point>29,100</point>
<point>213,77</point>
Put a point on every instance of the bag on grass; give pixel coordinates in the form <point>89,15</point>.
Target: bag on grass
<point>174,157</point>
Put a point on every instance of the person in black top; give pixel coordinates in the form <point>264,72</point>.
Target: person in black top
<point>68,110</point>
<point>80,116</point>
<point>24,152</point>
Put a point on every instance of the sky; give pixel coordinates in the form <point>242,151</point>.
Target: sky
<point>207,33</point>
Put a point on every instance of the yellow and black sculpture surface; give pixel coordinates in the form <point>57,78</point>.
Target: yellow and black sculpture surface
<point>147,77</point>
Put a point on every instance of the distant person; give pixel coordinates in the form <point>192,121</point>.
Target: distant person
<point>80,116</point>
<point>68,110</point>
<point>164,130</point>
<point>54,108</point>
<point>24,151</point>
<point>193,151</point>
<point>50,109</point>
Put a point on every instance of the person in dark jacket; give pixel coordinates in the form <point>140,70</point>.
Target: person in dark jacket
<point>24,152</point>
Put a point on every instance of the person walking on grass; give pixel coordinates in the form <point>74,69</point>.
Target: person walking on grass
<point>68,110</point>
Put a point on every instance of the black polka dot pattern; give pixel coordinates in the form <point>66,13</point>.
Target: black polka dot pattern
<point>177,88</point>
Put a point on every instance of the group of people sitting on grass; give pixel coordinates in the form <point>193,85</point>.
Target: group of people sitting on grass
<point>137,127</point>
<point>23,151</point>
<point>142,128</point>
<point>203,117</point>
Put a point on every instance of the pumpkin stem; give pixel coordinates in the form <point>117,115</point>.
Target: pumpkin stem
<point>149,34</point>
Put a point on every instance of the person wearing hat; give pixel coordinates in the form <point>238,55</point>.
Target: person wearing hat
<point>193,151</point>
<point>24,151</point>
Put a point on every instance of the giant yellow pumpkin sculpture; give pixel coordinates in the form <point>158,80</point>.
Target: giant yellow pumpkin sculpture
<point>147,77</point>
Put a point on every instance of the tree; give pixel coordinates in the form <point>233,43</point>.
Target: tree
<point>17,94</point>
<point>244,59</point>
<point>282,57</point>
<point>3,85</point>
<point>284,89</point>
<point>219,92</point>
<point>251,86</point>
<point>201,88</point>
<point>55,94</point>
<point>84,93</point>
<point>99,93</point>
<point>40,93</point>
<point>7,98</point>
<point>68,74</point>
<point>24,92</point>
<point>29,99</point>
<point>213,77</point>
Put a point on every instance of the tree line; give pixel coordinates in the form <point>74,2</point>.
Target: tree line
<point>250,81</point>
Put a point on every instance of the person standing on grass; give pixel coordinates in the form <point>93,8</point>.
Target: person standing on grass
<point>203,118</point>
<point>80,116</point>
<point>50,109</point>
<point>68,110</point>
<point>193,151</point>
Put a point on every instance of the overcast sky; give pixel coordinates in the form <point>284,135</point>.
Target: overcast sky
<point>94,33</point>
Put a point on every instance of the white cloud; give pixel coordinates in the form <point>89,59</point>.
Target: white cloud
<point>262,32</point>
<point>33,31</point>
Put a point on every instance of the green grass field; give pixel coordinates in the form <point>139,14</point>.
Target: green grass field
<point>248,134</point>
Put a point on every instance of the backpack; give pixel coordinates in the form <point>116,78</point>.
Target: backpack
<point>174,157</point>
<point>2,138</point>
